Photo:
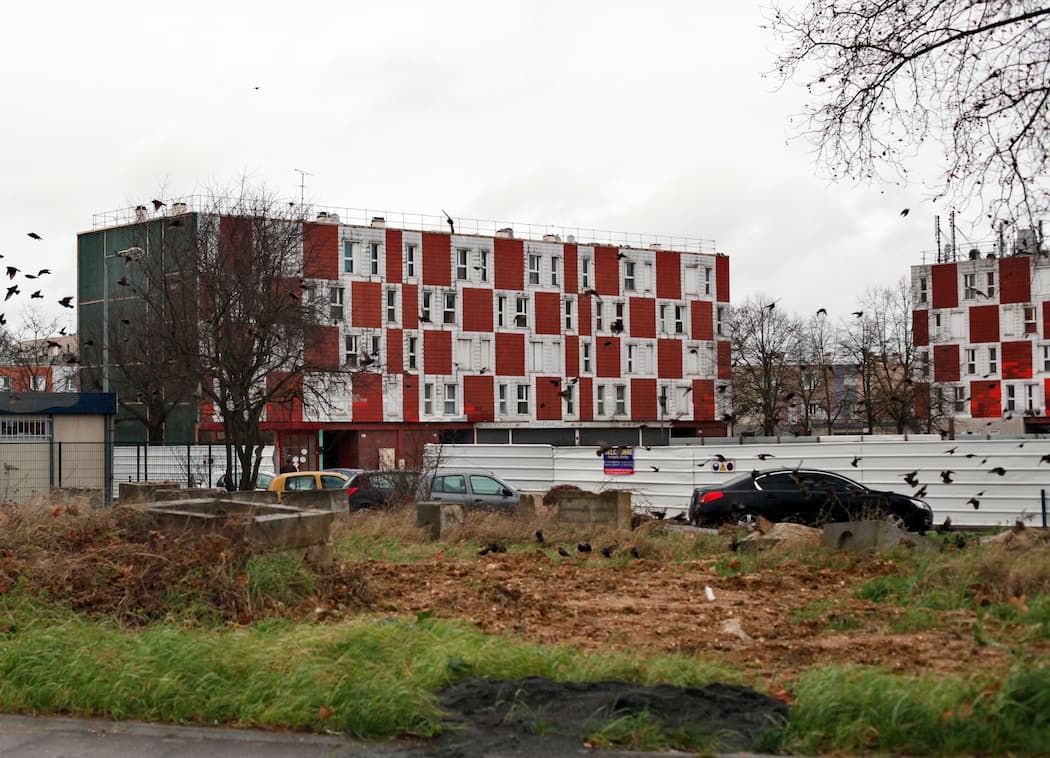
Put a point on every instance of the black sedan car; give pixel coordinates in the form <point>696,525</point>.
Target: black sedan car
<point>371,489</point>
<point>803,496</point>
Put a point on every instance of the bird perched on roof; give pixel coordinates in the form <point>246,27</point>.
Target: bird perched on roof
<point>158,204</point>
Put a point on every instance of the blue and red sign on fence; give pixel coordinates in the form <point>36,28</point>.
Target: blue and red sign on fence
<point>619,460</point>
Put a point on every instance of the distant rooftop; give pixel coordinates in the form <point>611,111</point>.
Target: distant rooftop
<point>428,223</point>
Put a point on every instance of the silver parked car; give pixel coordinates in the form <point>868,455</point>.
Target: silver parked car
<point>474,489</point>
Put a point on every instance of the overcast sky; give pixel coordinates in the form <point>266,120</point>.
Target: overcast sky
<point>622,116</point>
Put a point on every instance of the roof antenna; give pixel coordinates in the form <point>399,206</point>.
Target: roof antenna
<point>302,185</point>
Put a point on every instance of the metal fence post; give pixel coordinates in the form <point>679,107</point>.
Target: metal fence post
<point>1042,497</point>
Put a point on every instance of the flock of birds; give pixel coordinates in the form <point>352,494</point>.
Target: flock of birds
<point>15,289</point>
<point>582,549</point>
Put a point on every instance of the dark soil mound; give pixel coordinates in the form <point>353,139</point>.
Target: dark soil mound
<point>537,716</point>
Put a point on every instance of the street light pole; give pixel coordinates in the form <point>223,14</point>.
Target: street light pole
<point>126,254</point>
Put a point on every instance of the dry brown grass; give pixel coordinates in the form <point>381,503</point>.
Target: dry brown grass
<point>118,563</point>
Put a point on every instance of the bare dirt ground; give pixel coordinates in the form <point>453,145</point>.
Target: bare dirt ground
<point>774,623</point>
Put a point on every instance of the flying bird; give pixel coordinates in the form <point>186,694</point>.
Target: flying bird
<point>905,212</point>
<point>974,502</point>
<point>11,292</point>
<point>37,295</point>
<point>764,456</point>
<point>655,468</point>
<point>921,492</point>
<point>450,222</point>
<point>858,314</point>
<point>123,281</point>
<point>34,235</point>
<point>822,311</point>
<point>855,461</point>
<point>621,255</point>
<point>951,452</point>
<point>771,306</point>
<point>66,302</point>
<point>946,476</point>
<point>911,479</point>
<point>591,292</point>
<point>997,470</point>
<point>1045,458</point>
<point>158,204</point>
<point>11,271</point>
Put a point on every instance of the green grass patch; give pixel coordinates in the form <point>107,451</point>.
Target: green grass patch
<point>369,678</point>
<point>861,711</point>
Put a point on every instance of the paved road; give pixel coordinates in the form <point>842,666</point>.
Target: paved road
<point>30,737</point>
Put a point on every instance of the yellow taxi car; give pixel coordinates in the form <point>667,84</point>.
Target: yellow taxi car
<point>307,481</point>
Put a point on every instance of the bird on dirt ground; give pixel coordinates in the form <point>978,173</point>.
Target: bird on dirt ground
<point>634,552</point>
<point>607,551</point>
<point>583,547</point>
<point>539,536</point>
<point>563,552</point>
<point>946,526</point>
<point>946,476</point>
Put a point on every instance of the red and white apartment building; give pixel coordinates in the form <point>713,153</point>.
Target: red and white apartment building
<point>981,326</point>
<point>495,337</point>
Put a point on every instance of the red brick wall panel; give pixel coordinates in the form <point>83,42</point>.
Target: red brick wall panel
<point>508,260</point>
<point>1017,360</point>
<point>984,323</point>
<point>395,352</point>
<point>1046,319</point>
<point>585,398</point>
<point>477,309</point>
<point>722,278</point>
<point>235,244</point>
<point>643,399</point>
<point>572,355</point>
<point>437,259</point>
<point>945,280</point>
<point>410,306</point>
<point>366,304</point>
<point>394,269</point>
<point>986,399</point>
<point>321,347</point>
<point>547,309</point>
<point>367,397</point>
<point>669,358</point>
<point>548,401</point>
<point>702,319</point>
<point>510,354</point>
<point>703,399</point>
<point>479,398</point>
<point>946,363</point>
<point>437,352</point>
<point>668,275</point>
<point>288,400</point>
<point>606,271</point>
<point>410,398</point>
<point>584,322</point>
<point>320,251</point>
<point>920,328</point>
<point>642,312</point>
<point>1015,279</point>
<point>725,359</point>
<point>607,360</point>
<point>571,279</point>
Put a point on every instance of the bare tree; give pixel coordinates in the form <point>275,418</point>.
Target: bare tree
<point>880,342</point>
<point>819,386</point>
<point>220,311</point>
<point>33,351</point>
<point>763,339</point>
<point>886,77</point>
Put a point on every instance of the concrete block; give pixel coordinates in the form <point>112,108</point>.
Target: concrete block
<point>611,508</point>
<point>439,518</point>
<point>335,501</point>
<point>183,493</point>
<point>141,492</point>
<point>873,535</point>
<point>263,497</point>
<point>529,504</point>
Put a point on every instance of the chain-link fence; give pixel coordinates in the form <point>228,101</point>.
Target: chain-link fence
<point>28,469</point>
